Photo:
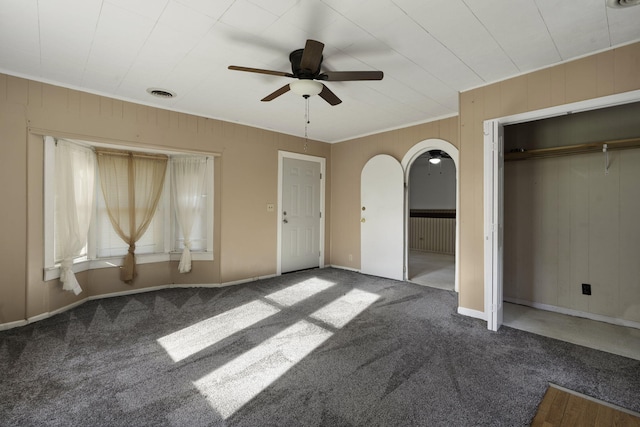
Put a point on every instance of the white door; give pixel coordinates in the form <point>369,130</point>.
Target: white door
<point>300,215</point>
<point>381,223</point>
<point>494,222</point>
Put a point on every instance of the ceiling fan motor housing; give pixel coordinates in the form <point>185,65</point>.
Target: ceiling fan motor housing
<point>295,58</point>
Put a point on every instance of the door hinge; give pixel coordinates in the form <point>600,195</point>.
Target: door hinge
<point>320,214</point>
<point>320,175</point>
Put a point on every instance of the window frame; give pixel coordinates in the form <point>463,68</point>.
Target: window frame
<point>91,261</point>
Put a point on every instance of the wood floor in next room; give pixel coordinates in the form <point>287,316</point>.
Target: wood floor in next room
<point>562,407</point>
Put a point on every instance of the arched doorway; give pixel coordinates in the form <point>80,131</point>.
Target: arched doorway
<point>419,153</point>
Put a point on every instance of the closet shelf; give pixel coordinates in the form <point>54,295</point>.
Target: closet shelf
<point>568,150</point>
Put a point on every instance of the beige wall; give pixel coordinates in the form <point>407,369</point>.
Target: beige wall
<point>245,181</point>
<point>348,159</point>
<point>248,171</point>
<point>607,73</point>
<point>567,223</point>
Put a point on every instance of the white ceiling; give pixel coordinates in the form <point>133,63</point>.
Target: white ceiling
<point>428,50</point>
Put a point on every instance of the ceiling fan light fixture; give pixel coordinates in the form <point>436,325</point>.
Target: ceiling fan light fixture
<point>435,157</point>
<point>306,87</point>
<point>622,3</point>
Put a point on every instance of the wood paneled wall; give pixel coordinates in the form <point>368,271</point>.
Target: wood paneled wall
<point>436,235</point>
<point>348,159</point>
<point>569,223</point>
<point>248,169</point>
<point>607,73</point>
<point>245,181</point>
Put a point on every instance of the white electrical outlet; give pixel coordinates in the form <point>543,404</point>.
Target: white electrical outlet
<point>271,207</point>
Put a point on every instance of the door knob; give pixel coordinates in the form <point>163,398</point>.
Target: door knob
<point>285,221</point>
<point>363,220</point>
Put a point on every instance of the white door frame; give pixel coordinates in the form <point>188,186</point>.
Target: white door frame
<point>492,262</point>
<point>322,161</point>
<point>407,161</point>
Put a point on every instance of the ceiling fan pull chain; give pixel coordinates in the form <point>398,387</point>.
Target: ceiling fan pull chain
<point>306,123</point>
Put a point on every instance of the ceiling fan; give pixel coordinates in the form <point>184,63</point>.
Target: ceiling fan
<point>305,67</point>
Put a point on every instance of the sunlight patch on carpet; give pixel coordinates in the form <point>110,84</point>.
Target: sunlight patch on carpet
<point>195,338</point>
<point>294,294</point>
<point>234,384</point>
<point>192,339</point>
<point>343,310</point>
<point>231,386</point>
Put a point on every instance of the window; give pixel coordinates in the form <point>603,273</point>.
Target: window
<point>189,201</point>
<point>162,241</point>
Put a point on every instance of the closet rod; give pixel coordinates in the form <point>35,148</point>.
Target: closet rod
<point>567,150</point>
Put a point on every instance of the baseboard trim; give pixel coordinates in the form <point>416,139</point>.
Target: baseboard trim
<point>251,279</point>
<point>14,324</point>
<point>576,313</point>
<point>340,267</point>
<point>472,313</point>
<point>42,316</point>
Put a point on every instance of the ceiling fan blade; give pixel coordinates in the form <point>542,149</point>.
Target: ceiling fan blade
<point>345,76</point>
<point>312,56</point>
<point>260,71</point>
<point>329,96</point>
<point>277,93</point>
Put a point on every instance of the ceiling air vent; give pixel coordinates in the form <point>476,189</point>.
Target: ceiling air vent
<point>161,93</point>
<point>622,3</point>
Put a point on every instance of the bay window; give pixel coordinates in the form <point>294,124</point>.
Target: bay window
<point>186,200</point>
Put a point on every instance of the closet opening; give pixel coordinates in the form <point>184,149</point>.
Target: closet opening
<point>569,201</point>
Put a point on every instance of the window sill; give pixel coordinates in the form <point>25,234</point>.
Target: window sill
<point>51,273</point>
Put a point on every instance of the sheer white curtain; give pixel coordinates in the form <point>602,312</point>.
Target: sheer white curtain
<point>131,185</point>
<point>188,175</point>
<point>74,188</point>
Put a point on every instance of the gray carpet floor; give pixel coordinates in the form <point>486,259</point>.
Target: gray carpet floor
<point>314,348</point>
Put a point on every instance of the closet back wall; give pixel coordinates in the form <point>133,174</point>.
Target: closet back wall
<point>569,223</point>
